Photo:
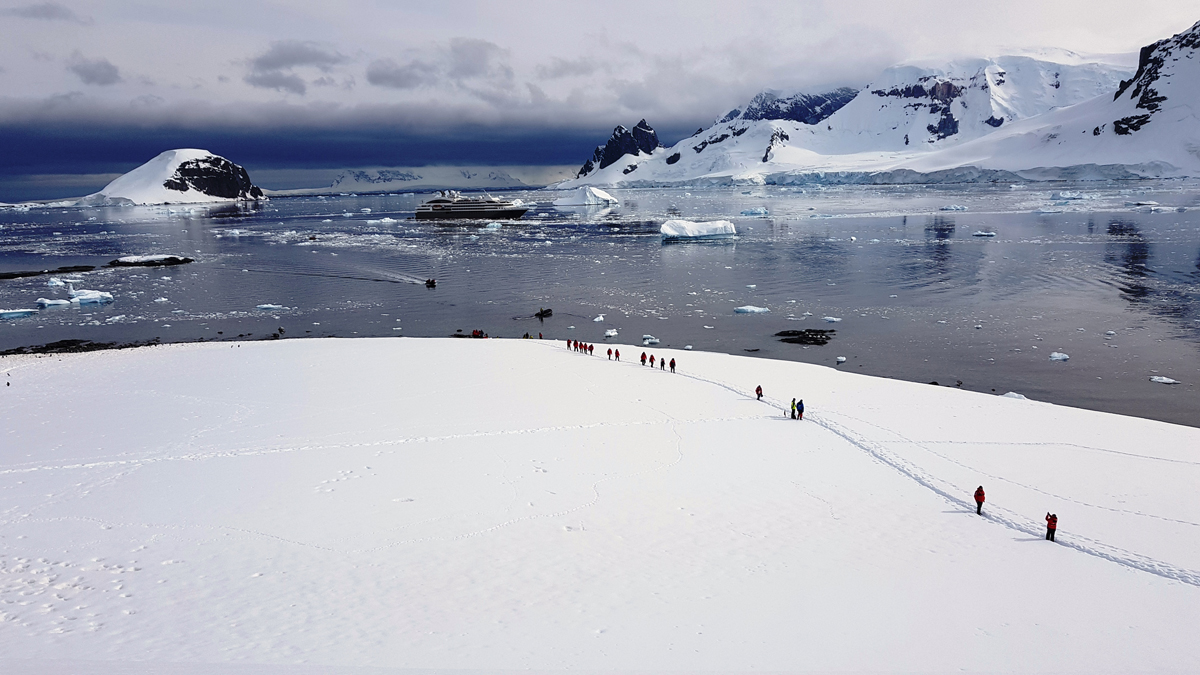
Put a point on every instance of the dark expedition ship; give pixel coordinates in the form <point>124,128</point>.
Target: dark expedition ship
<point>449,205</point>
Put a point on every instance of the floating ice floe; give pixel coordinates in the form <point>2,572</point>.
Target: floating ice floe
<point>493,226</point>
<point>750,309</point>
<point>983,233</point>
<point>47,302</point>
<point>1013,394</point>
<point>752,286</point>
<point>1047,209</point>
<point>599,318</point>
<point>88,297</point>
<point>586,196</point>
<point>1141,203</point>
<point>1163,380</point>
<point>760,211</point>
<point>841,359</point>
<point>269,307</point>
<point>16,313</point>
<point>1058,356</point>
<point>1110,332</point>
<point>953,207</point>
<point>161,300</point>
<point>381,221</point>
<point>55,282</point>
<point>611,332</point>
<point>673,230</point>
<point>364,210</point>
<point>651,340</point>
<point>831,319</point>
<point>156,260</point>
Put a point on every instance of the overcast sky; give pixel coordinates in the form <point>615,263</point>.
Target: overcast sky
<point>98,86</point>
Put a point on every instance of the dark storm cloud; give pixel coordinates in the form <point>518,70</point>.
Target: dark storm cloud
<point>287,54</point>
<point>274,68</point>
<point>388,73</point>
<point>93,71</point>
<point>47,11</point>
<point>280,81</point>
<point>558,68</point>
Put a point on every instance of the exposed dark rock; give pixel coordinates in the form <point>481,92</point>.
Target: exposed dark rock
<point>1151,60</point>
<point>164,261</point>
<point>622,142</point>
<point>994,121</point>
<point>803,108</point>
<point>946,126</point>
<point>808,336</point>
<point>215,176</point>
<point>1128,125</point>
<point>673,158</point>
<point>629,169</point>
<point>739,132</point>
<point>777,138</point>
<point>730,116</point>
<point>37,273</point>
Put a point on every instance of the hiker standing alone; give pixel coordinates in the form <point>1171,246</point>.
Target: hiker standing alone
<point>1051,525</point>
<point>979,500</point>
<point>758,391</point>
<point>672,365</point>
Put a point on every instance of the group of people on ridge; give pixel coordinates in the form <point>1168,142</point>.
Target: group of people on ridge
<point>578,346</point>
<point>662,363</point>
<point>1051,518</point>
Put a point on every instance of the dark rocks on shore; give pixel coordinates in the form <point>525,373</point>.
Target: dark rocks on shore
<point>151,261</point>
<point>215,176</point>
<point>808,336</point>
<point>37,273</point>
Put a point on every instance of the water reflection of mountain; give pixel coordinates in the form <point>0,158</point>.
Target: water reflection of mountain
<point>1129,253</point>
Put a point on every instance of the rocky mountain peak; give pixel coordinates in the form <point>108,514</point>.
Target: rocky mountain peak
<point>642,139</point>
<point>803,108</point>
<point>1155,63</point>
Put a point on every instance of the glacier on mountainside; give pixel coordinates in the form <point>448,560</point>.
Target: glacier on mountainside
<point>921,123</point>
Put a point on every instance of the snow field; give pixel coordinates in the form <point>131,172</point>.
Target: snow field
<point>493,504</point>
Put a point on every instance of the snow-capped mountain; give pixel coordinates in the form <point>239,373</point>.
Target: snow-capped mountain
<point>910,111</point>
<point>642,139</point>
<point>184,176</point>
<point>1150,126</point>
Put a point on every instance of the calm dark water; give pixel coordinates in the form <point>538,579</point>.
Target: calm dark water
<point>918,295</point>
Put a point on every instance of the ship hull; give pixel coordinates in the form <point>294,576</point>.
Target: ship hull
<point>471,213</point>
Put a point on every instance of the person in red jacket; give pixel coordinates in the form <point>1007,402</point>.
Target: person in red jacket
<point>979,500</point>
<point>618,354</point>
<point>1051,525</point>
<point>643,358</point>
<point>672,365</point>
<point>610,353</point>
<point>758,391</point>
<point>651,360</point>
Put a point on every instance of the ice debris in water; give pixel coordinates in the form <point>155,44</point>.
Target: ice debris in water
<point>88,297</point>
<point>161,300</point>
<point>841,359</point>
<point>269,307</point>
<point>46,302</point>
<point>16,313</point>
<point>750,309</point>
<point>751,286</point>
<point>1013,394</point>
<point>688,347</point>
<point>599,318</point>
<point>1163,380</point>
<point>55,282</point>
<point>760,211</point>
<point>686,229</point>
<point>983,233</point>
<point>1058,356</point>
<point>831,319</point>
<point>611,332</point>
<point>954,207</point>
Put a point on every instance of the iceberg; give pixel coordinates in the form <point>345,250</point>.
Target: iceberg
<point>1159,379</point>
<point>157,260</point>
<point>954,207</point>
<point>687,229</point>
<point>760,211</point>
<point>88,297</point>
<point>586,196</point>
<point>16,313</point>
<point>46,302</point>
<point>750,309</point>
<point>611,332</point>
<point>269,307</point>
<point>1058,356</point>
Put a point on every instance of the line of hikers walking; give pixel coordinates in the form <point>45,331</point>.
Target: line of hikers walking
<point>577,346</point>
<point>1051,518</point>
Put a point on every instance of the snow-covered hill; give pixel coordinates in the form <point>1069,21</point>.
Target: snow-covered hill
<point>349,507</point>
<point>911,111</point>
<point>1149,127</point>
<point>185,176</point>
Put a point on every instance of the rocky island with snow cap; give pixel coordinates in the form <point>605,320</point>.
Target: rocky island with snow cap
<point>184,176</point>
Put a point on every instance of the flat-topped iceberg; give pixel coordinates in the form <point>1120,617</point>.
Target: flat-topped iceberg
<point>750,309</point>
<point>688,229</point>
<point>586,196</point>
